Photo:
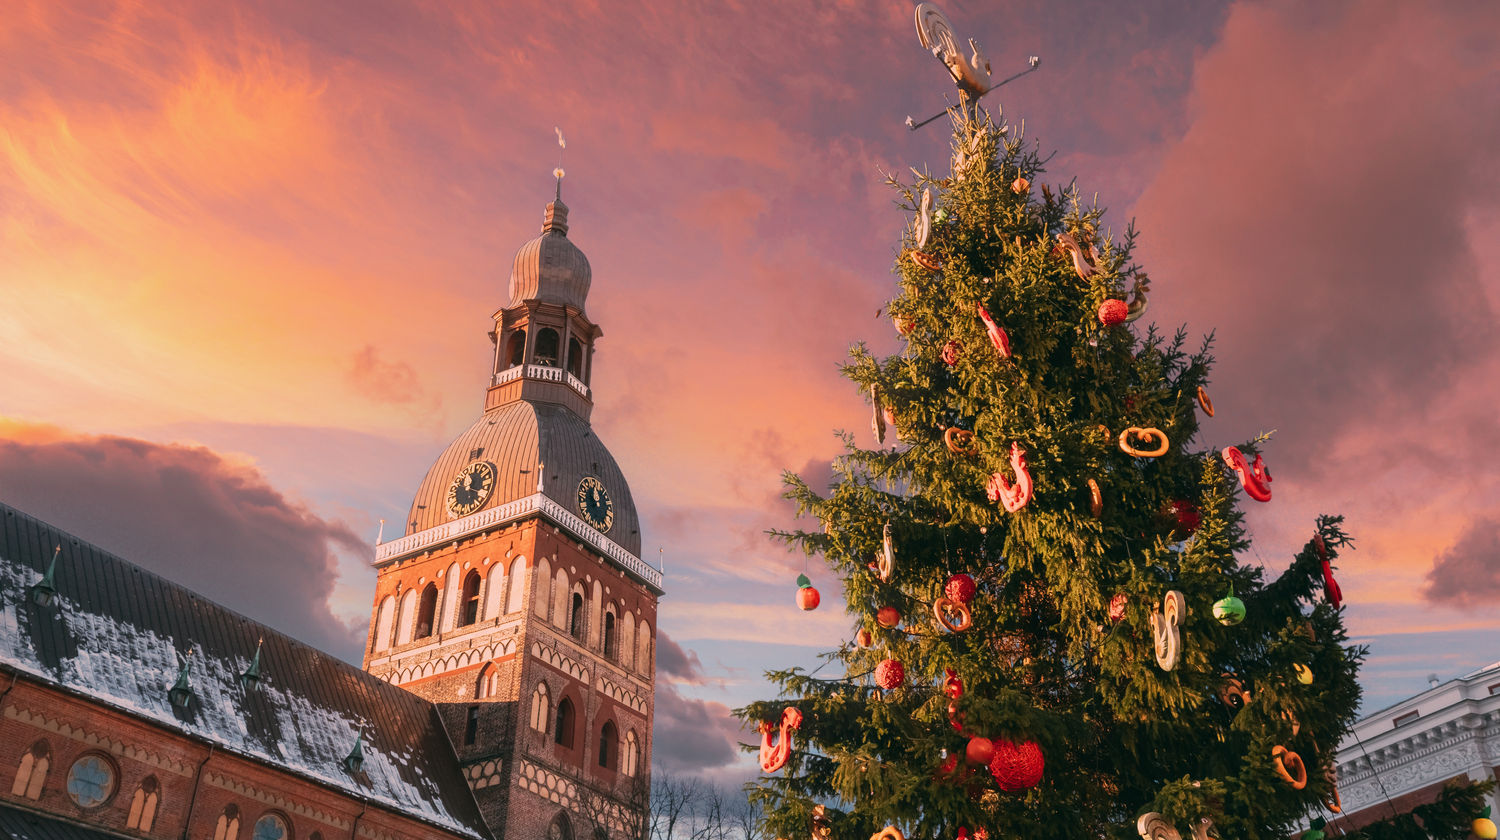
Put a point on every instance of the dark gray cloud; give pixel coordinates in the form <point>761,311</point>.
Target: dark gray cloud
<point>1467,574</point>
<point>689,735</point>
<point>192,516</point>
<point>674,662</point>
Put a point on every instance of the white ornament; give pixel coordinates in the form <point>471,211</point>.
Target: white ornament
<point>1166,628</point>
<point>1151,826</point>
<point>971,74</point>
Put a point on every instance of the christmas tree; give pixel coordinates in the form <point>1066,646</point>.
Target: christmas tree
<point>1053,634</point>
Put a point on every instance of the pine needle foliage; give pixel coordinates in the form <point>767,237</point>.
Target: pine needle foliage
<point>1042,661</point>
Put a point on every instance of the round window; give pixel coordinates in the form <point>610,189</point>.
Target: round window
<point>91,781</point>
<point>270,827</point>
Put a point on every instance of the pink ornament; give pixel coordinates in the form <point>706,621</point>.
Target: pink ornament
<point>1112,312</point>
<point>951,351</point>
<point>1117,606</point>
<point>998,336</point>
<point>960,588</point>
<point>889,674</point>
<point>1012,497</point>
<point>773,757</point>
<point>1255,479</point>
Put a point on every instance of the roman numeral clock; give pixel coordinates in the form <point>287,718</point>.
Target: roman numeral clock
<point>594,504</point>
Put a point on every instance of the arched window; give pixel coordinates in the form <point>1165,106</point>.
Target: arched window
<point>482,688</point>
<point>143,805</point>
<point>515,353</point>
<point>575,616</point>
<point>560,828</point>
<point>643,661</point>
<point>468,606</point>
<point>406,617</point>
<point>541,707</point>
<point>541,598</point>
<point>627,639</point>
<point>91,780</point>
<point>609,745</point>
<point>494,592</point>
<point>565,715</point>
<point>515,581</point>
<point>271,826</point>
<point>31,773</point>
<point>546,347</point>
<point>632,753</point>
<point>575,358</point>
<point>611,644</point>
<point>228,826</point>
<point>426,612</point>
<point>386,617</point>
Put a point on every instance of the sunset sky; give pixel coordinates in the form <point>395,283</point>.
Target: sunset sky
<point>249,254</point>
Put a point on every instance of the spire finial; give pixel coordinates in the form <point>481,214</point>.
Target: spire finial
<point>558,173</point>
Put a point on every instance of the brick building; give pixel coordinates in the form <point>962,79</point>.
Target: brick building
<point>507,688</point>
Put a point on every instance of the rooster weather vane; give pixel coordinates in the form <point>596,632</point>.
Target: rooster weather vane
<point>972,74</point>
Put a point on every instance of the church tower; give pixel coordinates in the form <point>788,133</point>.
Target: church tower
<point>517,600</point>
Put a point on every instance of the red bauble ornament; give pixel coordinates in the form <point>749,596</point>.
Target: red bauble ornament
<point>1112,312</point>
<point>1017,766</point>
<point>807,597</point>
<point>1184,516</point>
<point>888,617</point>
<point>1117,606</point>
<point>980,750</point>
<point>960,588</point>
<point>951,351</point>
<point>864,638</point>
<point>890,674</point>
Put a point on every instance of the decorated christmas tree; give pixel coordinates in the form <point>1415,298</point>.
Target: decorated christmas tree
<point>1054,634</point>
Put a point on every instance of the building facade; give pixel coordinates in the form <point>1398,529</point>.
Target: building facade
<point>516,600</point>
<point>507,680</point>
<point>1401,756</point>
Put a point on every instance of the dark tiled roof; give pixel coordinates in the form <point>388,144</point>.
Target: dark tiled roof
<point>116,631</point>
<point>16,824</point>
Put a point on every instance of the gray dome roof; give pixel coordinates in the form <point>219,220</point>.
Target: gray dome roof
<point>515,437</point>
<point>550,267</point>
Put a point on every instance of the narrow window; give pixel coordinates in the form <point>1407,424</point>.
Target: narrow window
<point>31,773</point>
<point>516,352</point>
<point>610,644</point>
<point>608,738</point>
<point>426,612</point>
<point>471,726</point>
<point>564,734</point>
<point>541,707</point>
<point>482,687</point>
<point>575,623</point>
<point>575,358</point>
<point>228,826</point>
<point>143,805</point>
<point>468,611</point>
<point>632,752</point>
<point>546,347</point>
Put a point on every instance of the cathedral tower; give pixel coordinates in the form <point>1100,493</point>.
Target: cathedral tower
<point>517,600</point>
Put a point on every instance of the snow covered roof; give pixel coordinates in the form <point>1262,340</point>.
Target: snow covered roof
<point>115,633</point>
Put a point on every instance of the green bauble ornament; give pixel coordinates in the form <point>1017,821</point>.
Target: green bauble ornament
<point>1316,832</point>
<point>1229,610</point>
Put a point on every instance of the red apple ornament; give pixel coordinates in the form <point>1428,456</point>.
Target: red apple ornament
<point>807,596</point>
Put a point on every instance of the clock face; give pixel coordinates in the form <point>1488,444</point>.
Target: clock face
<point>471,488</point>
<point>593,503</point>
